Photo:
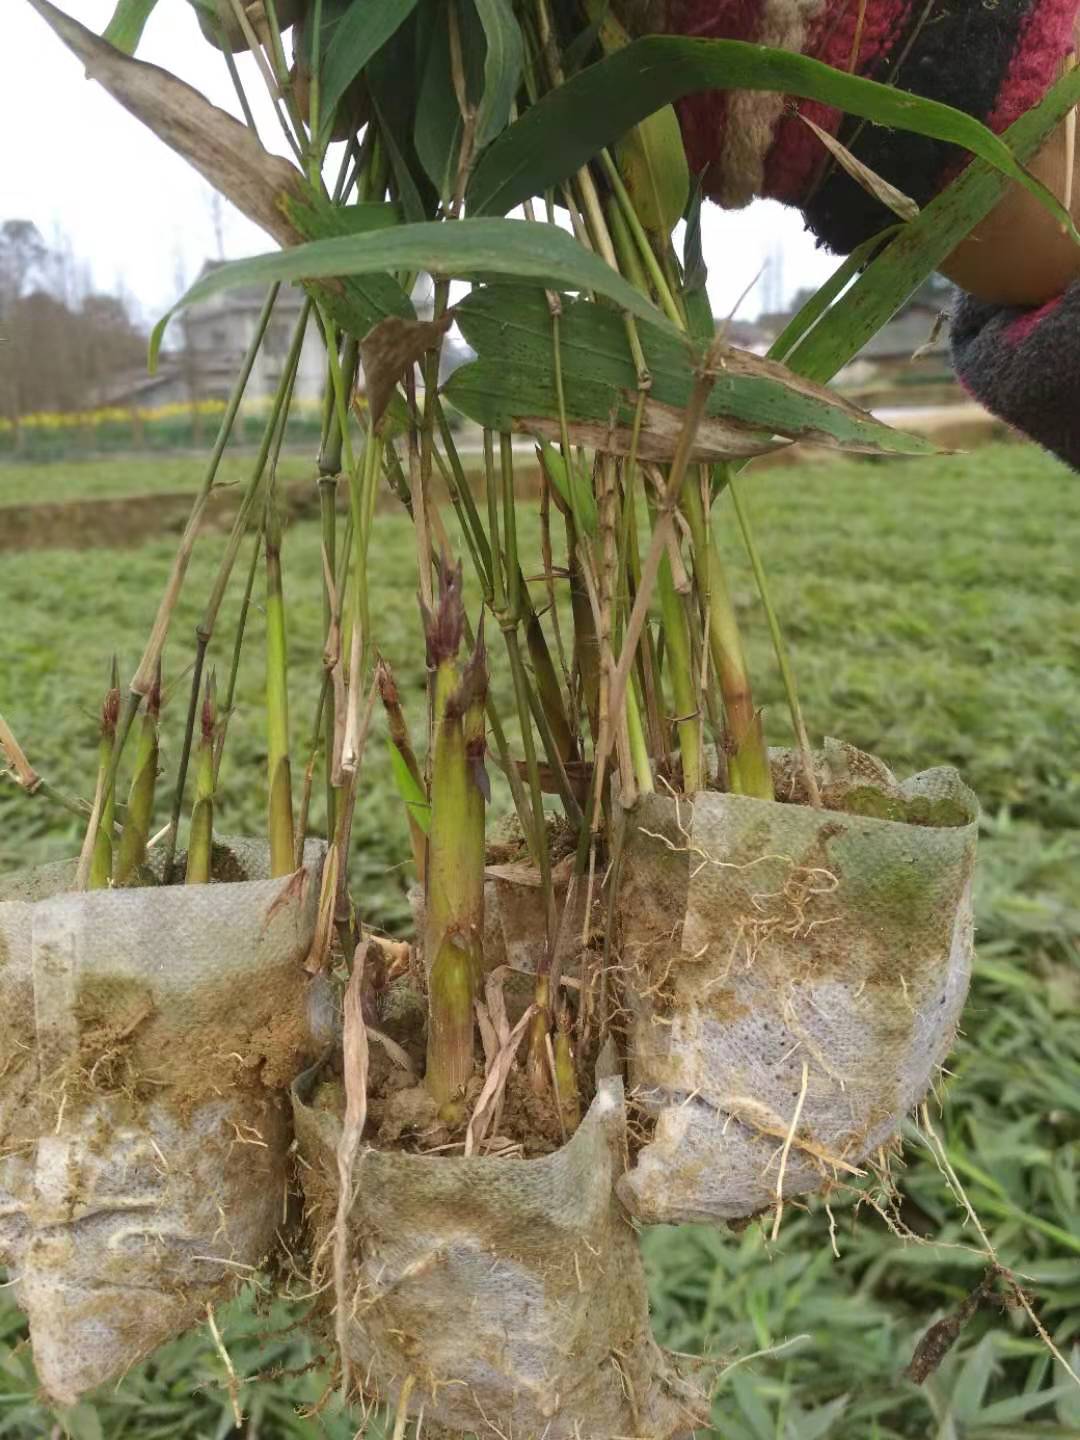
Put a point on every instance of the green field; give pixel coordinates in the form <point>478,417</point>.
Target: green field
<point>933,613</point>
<point>118,475</point>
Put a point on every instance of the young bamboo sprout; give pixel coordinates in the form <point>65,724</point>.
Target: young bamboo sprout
<point>102,862</point>
<point>140,807</point>
<point>454,889</point>
<point>201,837</point>
<point>282,840</point>
<point>411,782</point>
<point>565,1073</point>
<point>748,755</point>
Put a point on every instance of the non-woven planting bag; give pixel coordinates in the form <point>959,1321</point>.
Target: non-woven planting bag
<point>794,977</point>
<point>500,1297</point>
<point>150,1038</point>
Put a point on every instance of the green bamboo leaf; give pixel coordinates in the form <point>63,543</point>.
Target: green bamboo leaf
<point>439,126</point>
<point>509,327</point>
<point>574,489</point>
<point>466,249</point>
<point>416,802</point>
<point>129,19</point>
<point>366,215</point>
<point>502,67</point>
<point>393,81</point>
<point>362,31</point>
<point>601,103</point>
<point>805,319</point>
<point>699,316</point>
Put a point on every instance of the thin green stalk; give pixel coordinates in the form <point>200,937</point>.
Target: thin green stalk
<point>783,660</point>
<point>402,743</point>
<point>328,519</point>
<point>536,1063</point>
<point>315,748</point>
<point>662,532</point>
<point>281,831</point>
<point>139,817</point>
<point>548,560</point>
<point>28,780</point>
<point>226,709</point>
<point>314,97</point>
<point>749,772</point>
<point>680,669</point>
<point>251,494</point>
<point>457,486</point>
<point>645,249</point>
<point>547,703</point>
<point>330,454</point>
<point>101,864</point>
<point>639,749</point>
<point>201,834</point>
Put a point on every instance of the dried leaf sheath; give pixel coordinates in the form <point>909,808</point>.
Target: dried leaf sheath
<point>139,818</point>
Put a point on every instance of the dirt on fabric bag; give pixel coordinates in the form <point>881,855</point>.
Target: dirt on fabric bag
<point>496,1296</point>
<point>794,977</point>
<point>149,1042</point>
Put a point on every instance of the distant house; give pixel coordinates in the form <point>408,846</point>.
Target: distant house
<point>910,352</point>
<point>136,390</point>
<point>217,333</point>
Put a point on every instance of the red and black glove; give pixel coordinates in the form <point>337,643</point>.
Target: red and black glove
<point>993,59</point>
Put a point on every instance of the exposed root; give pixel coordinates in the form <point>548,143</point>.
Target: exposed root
<point>401,1417</point>
<point>786,1151</point>
<point>355,1045</point>
<point>233,1382</point>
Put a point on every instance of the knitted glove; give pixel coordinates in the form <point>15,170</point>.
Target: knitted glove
<point>993,59</point>
<point>1025,366</point>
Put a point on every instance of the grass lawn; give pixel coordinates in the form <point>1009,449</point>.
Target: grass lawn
<point>113,476</point>
<point>933,614</point>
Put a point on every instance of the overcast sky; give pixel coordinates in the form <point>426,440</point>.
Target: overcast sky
<point>73,161</point>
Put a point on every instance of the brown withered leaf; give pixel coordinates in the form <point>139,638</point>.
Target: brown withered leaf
<point>661,426</point>
<point>942,1336</point>
<point>873,183</point>
<point>225,152</point>
<point>355,1064</point>
<point>392,347</point>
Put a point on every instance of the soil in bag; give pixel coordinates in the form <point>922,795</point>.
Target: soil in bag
<point>143,1100</point>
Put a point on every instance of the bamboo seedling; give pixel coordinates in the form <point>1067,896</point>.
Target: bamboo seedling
<point>139,816</point>
<point>101,864</point>
<point>454,890</point>
<point>565,1072</point>
<point>201,834</point>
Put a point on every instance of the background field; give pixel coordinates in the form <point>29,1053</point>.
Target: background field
<point>933,611</point>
